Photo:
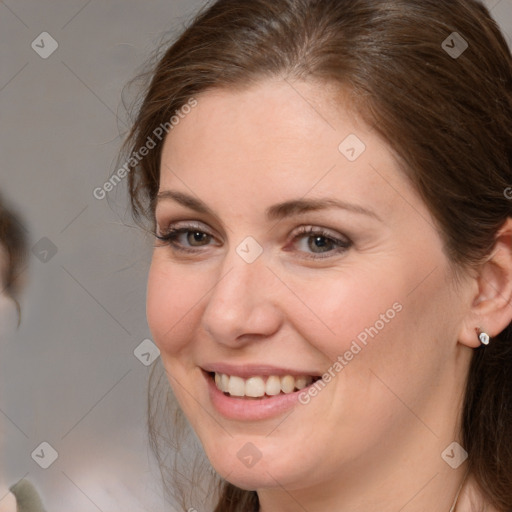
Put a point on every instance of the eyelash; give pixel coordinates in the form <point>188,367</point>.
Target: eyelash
<point>172,233</point>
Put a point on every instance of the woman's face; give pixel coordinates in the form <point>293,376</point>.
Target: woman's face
<point>362,296</point>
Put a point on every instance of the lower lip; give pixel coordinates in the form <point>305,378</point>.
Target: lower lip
<point>250,409</point>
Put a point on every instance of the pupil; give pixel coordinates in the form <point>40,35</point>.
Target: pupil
<point>318,241</point>
<point>198,236</point>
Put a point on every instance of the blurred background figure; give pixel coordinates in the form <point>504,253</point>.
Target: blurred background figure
<point>13,257</point>
<point>18,496</point>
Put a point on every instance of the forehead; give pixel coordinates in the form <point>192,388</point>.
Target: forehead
<point>274,116</point>
<point>275,140</point>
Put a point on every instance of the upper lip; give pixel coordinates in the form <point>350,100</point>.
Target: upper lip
<point>251,370</point>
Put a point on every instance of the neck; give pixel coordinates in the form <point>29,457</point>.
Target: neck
<point>416,487</point>
<point>471,498</point>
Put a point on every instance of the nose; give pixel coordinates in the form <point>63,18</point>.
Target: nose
<point>243,305</point>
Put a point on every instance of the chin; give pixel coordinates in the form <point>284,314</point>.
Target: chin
<point>272,468</point>
<point>248,479</point>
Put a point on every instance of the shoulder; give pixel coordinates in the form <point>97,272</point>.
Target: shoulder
<point>27,497</point>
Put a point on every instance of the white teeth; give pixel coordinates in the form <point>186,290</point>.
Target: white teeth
<point>301,382</point>
<point>258,387</point>
<point>224,383</point>
<point>287,384</point>
<point>273,386</point>
<point>254,386</point>
<point>236,386</point>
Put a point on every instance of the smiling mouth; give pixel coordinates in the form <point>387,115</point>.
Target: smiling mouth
<point>260,387</point>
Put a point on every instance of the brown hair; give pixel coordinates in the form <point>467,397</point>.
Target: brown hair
<point>448,117</point>
<point>13,253</point>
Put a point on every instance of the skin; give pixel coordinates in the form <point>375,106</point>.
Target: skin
<point>373,438</point>
<point>8,503</point>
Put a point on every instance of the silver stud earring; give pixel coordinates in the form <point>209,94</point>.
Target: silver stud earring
<point>483,337</point>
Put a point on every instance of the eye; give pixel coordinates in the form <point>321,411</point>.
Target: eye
<point>319,239</point>
<point>191,237</point>
<point>192,234</point>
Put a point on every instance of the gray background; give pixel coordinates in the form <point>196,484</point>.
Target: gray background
<point>69,376</point>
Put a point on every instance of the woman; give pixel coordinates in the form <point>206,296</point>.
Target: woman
<point>22,496</point>
<point>332,274</point>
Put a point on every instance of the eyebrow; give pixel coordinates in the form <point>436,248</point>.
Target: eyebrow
<point>275,212</point>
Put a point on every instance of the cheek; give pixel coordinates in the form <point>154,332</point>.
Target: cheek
<point>169,304</point>
<point>175,298</point>
<point>172,311</point>
<point>336,309</point>
<point>327,310</point>
<point>370,325</point>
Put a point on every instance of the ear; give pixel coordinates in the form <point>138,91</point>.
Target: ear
<point>491,310</point>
